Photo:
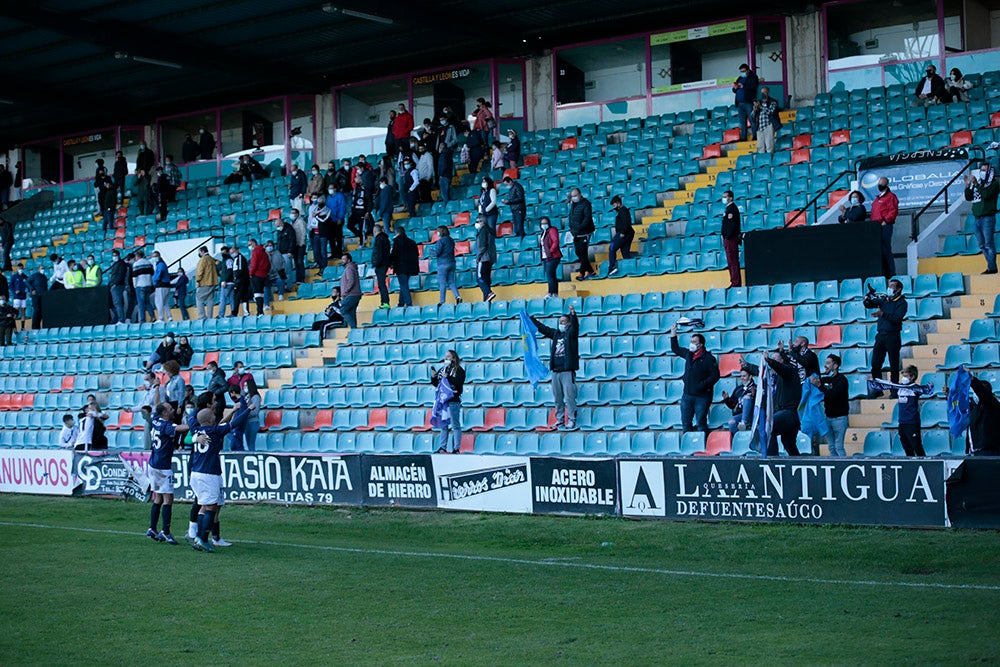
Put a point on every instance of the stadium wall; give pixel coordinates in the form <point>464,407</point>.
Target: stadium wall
<point>858,491</point>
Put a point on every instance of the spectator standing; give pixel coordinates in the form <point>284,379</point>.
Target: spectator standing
<point>855,210</point>
<point>180,285</point>
<point>803,358</point>
<point>286,243</point>
<point>120,173</point>
<point>173,389</point>
<point>227,282</point>
<point>909,413</point>
<point>581,226</point>
<point>59,269</point>
<point>333,314</point>
<point>701,372</point>
<point>476,150</point>
<point>402,126</point>
<point>74,276</point>
<point>316,186</point>
<point>8,322</point>
<point>444,252</point>
<point>206,277</point>
<point>425,172</point>
<point>360,207</point>
<point>161,283</point>
<point>319,227</point>
<point>390,138</point>
<point>513,153</point>
<point>240,376</point>
<point>301,240</point>
<point>143,192</point>
<point>488,203</point>
<point>6,243</point>
<point>174,177</point>
<point>91,272</point>
<point>450,439</point>
<point>982,191</point>
<point>732,235</point>
<point>38,285</point>
<point>787,396</point>
<point>411,183</point>
<point>189,149</point>
<point>564,362</point>
<point>6,182</point>
<point>405,259</point>
<point>109,195</point>
<point>486,257</point>
<point>251,427</point>
<point>496,156</point>
<point>69,433</point>
<point>930,90</point>
<point>145,158</point>
<point>765,119</point>
<point>161,192</point>
<point>383,204</point>
<point>745,91</point>
<point>891,311</point>
<point>548,242</point>
<point>241,282</point>
<point>381,262</point>
<point>350,288</point>
<point>836,403</point>
<point>885,209</point>
<point>217,385</point>
<point>984,420</point>
<point>117,280</point>
<point>447,142</point>
<point>517,203</point>
<point>297,186</point>
<point>741,402</point>
<point>260,269</point>
<point>485,122</point>
<point>19,292</point>
<point>206,142</point>
<point>275,284</point>
<point>624,233</point>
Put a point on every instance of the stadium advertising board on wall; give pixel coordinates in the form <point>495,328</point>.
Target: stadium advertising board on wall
<point>483,483</point>
<point>915,177</point>
<point>892,492</point>
<point>106,475</point>
<point>36,471</point>
<point>398,481</point>
<point>574,486</point>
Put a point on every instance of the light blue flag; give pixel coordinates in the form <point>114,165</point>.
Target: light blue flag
<point>958,402</point>
<point>533,366</point>
<point>812,414</point>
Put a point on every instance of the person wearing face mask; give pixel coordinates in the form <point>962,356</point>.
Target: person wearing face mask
<point>298,225</point>
<point>189,149</point>
<point>982,191</point>
<point>885,210</point>
<point>581,226</point>
<point>513,152</point>
<point>564,362</point>
<point>405,260</point>
<point>224,267</point>
<point>732,236</point>
<point>444,253</point>
<point>745,92</point>
<point>548,243</point>
<point>297,186</point>
<point>488,203</point>
<point>804,358</point>
<point>517,203</point>
<point>891,311</point>
<point>390,139</point>
<point>242,294</point>
<point>163,353</point>
<point>402,127</point>
<point>206,277</point>
<point>319,226</point>
<point>174,177</point>
<point>19,292</point>
<point>315,186</point>
<point>450,440</point>
<point>381,261</point>
<point>38,285</point>
<point>486,257</point>
<point>8,322</point>
<point>285,245</point>
<point>909,412</point>
<point>425,172</point>
<point>836,403</point>
<point>701,372</point>
<point>624,233</point>
<point>787,396</point>
<point>958,87</point>
<point>930,90</point>
<point>476,149</point>
<point>350,289</point>
<point>765,120</point>
<point>411,182</point>
<point>206,142</point>
<point>741,402</point>
<point>384,203</point>
<point>259,270</point>
<point>359,216</point>
<point>854,210</point>
<point>145,158</point>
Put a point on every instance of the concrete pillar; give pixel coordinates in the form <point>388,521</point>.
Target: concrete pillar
<point>325,133</point>
<point>540,88</point>
<point>804,57</point>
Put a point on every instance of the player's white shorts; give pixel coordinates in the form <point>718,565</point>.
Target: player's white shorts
<point>161,481</point>
<point>19,303</point>
<point>207,488</point>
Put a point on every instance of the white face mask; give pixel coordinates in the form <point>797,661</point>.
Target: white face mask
<point>725,201</point>
<point>575,198</point>
<point>544,226</point>
<point>855,201</point>
<point>563,327</point>
<point>485,185</point>
<point>479,225</point>
<point>693,347</point>
<point>905,380</point>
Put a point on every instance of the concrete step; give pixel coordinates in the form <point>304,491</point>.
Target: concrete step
<point>980,284</point>
<point>855,437</point>
<point>954,325</point>
<point>881,406</point>
<point>870,421</point>
<point>979,301</point>
<point>944,339</point>
<point>927,353</point>
<point>970,313</point>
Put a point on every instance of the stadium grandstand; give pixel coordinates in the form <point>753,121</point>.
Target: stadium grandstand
<point>658,109</point>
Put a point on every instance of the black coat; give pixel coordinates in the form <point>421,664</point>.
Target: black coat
<point>565,341</point>
<point>190,150</point>
<point>405,256</point>
<point>145,159</point>
<point>286,240</point>
<point>381,251</point>
<point>207,146</point>
<point>731,222</point>
<point>788,392</point>
<point>581,218</point>
<point>893,314</point>
<point>701,374</point>
<point>623,222</point>
<point>984,420</point>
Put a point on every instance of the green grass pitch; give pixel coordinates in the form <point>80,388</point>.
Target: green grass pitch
<point>324,586</point>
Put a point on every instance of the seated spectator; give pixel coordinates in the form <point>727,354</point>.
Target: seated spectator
<point>164,352</point>
<point>930,90</point>
<point>183,353</point>
<point>854,210</point>
<point>173,390</point>
<point>741,402</point>
<point>332,313</point>
<point>958,87</point>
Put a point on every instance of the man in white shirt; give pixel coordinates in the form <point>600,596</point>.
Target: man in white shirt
<point>59,268</point>
<point>69,433</point>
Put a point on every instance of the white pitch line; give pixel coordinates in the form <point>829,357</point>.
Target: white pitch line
<point>555,563</point>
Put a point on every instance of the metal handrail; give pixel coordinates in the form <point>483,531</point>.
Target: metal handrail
<point>813,202</point>
<point>915,222</point>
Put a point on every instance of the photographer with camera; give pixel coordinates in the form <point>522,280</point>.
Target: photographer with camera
<point>890,309</point>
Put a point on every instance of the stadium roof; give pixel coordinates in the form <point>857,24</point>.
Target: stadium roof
<point>73,65</point>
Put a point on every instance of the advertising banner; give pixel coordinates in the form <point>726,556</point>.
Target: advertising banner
<point>483,483</point>
<point>36,471</point>
<point>574,486</point>
<point>915,177</point>
<point>98,474</point>
<point>894,492</point>
<point>398,481</point>
<point>310,479</point>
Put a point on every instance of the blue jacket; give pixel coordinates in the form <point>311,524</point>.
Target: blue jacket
<point>385,196</point>
<point>161,276</point>
<point>748,93</point>
<point>19,286</point>
<point>445,251</point>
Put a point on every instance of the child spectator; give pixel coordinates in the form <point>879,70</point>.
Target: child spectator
<point>909,412</point>
<point>69,433</point>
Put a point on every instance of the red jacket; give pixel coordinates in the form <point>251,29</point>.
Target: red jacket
<point>403,125</point>
<point>550,244</point>
<point>260,263</point>
<point>885,208</point>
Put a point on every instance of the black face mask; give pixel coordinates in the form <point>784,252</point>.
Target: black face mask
<point>883,188</point>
